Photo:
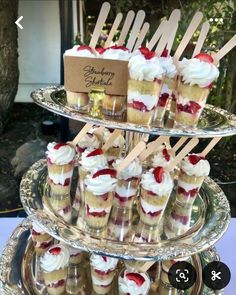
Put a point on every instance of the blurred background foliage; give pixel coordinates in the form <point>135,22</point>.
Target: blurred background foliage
<point>220,14</point>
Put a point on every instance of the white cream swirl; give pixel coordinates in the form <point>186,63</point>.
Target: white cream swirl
<point>149,183</point>
<point>50,262</point>
<point>168,66</point>
<point>61,156</point>
<point>89,140</point>
<point>94,162</point>
<point>141,68</point>
<point>79,53</point>
<point>194,71</point>
<point>134,169</point>
<point>159,160</point>
<point>129,286</point>
<point>101,184</point>
<point>117,54</point>
<point>103,263</point>
<point>202,168</point>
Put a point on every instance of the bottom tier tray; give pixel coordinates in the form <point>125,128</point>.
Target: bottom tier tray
<point>17,270</point>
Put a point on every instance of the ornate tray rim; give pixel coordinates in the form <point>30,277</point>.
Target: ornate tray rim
<point>43,97</point>
<point>8,254</point>
<point>217,222</point>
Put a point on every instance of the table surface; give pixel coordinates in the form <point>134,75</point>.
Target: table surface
<point>225,247</point>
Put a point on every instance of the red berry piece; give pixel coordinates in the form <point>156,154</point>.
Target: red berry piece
<point>59,145</point>
<point>204,57</point>
<point>136,277</point>
<point>192,193</point>
<point>192,107</point>
<point>144,50</point>
<point>100,50</point>
<point>158,174</point>
<point>55,251</point>
<point>96,214</point>
<point>104,258</point>
<point>120,47</point>
<point>194,159</point>
<point>138,105</point>
<point>85,47</point>
<point>162,101</point>
<point>106,171</point>
<point>67,182</point>
<point>165,53</point>
<point>166,154</point>
<point>95,153</point>
<point>150,55</point>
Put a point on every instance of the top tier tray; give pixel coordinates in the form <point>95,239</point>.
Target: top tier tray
<point>214,122</point>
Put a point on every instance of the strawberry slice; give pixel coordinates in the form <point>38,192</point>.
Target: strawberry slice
<point>144,50</point>
<point>150,55</point>
<point>163,100</point>
<point>166,154</point>
<point>136,277</point>
<point>204,57</point>
<point>59,145</point>
<point>158,174</point>
<point>194,159</point>
<point>192,193</point>
<point>119,47</point>
<point>106,171</point>
<point>165,53</point>
<point>67,182</point>
<point>95,153</point>
<point>85,47</point>
<point>55,251</point>
<point>104,258</point>
<point>138,105</point>
<point>100,50</point>
<point>192,107</point>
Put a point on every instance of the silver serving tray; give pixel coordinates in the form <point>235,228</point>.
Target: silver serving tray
<point>210,219</point>
<point>213,122</point>
<point>17,268</point>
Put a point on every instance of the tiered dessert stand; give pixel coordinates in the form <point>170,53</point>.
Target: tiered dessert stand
<point>209,220</point>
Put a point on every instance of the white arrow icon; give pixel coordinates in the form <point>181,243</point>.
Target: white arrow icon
<point>17,22</point>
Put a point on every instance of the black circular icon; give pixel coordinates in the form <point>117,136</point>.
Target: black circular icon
<point>182,275</point>
<point>216,275</point>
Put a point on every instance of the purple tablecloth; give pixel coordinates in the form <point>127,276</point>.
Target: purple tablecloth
<point>225,247</point>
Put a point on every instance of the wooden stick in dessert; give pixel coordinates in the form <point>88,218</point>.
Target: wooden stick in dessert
<point>111,139</point>
<point>189,146</point>
<point>81,134</point>
<point>141,36</point>
<point>157,34</point>
<point>179,143</point>
<point>172,23</point>
<point>131,156</point>
<point>100,22</point>
<point>225,49</point>
<point>145,267</point>
<point>114,28</point>
<point>200,41</point>
<point>135,29</point>
<point>152,147</point>
<point>127,24</point>
<point>210,146</point>
<point>188,34</point>
<point>171,39</point>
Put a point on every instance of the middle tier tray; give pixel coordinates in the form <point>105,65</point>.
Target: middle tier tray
<point>210,216</point>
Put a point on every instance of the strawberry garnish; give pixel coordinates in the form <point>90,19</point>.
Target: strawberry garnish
<point>104,258</point>
<point>100,50</point>
<point>59,145</point>
<point>165,53</point>
<point>106,171</point>
<point>194,159</point>
<point>146,52</point>
<point>204,57</point>
<point>165,154</point>
<point>158,174</point>
<point>95,153</point>
<point>136,277</point>
<point>119,47</point>
<point>85,47</point>
<point>55,250</point>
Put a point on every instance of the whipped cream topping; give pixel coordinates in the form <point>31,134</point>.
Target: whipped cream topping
<point>103,263</point>
<point>79,53</point>
<point>118,54</point>
<point>60,178</point>
<point>149,101</point>
<point>141,68</point>
<point>130,286</point>
<point>60,156</point>
<point>92,163</point>
<point>194,71</point>
<point>124,192</point>
<point>89,140</point>
<point>101,184</point>
<point>37,228</point>
<point>134,169</point>
<point>202,168</point>
<point>159,160</point>
<point>149,183</point>
<point>168,66</point>
<point>149,208</point>
<point>50,262</point>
